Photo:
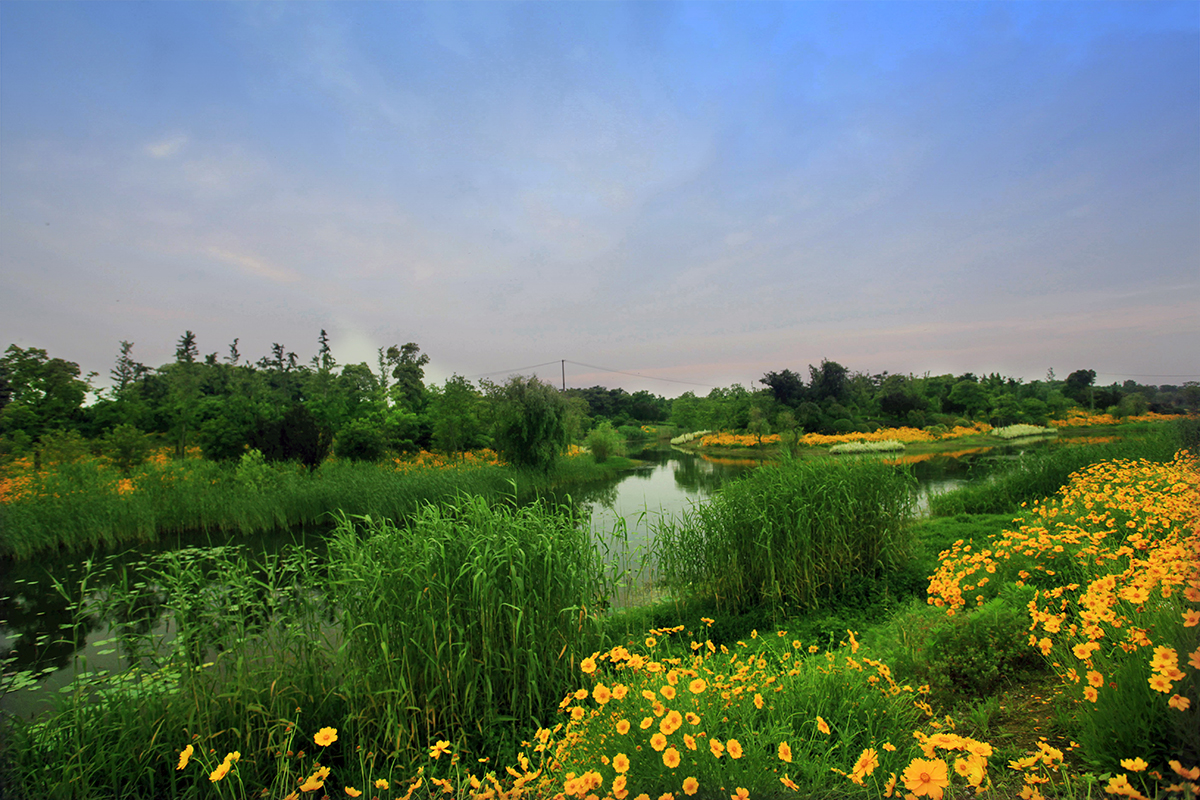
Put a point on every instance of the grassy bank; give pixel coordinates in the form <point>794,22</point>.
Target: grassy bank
<point>1041,474</point>
<point>87,503</point>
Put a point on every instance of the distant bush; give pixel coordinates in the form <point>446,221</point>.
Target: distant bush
<point>604,441</point>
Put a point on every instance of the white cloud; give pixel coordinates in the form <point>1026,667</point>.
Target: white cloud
<point>168,147</point>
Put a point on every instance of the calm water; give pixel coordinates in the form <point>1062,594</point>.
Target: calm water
<point>36,597</point>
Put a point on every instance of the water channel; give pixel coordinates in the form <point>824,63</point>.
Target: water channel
<point>38,642</point>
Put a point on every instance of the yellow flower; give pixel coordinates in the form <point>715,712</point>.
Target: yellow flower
<point>1134,764</point>
<point>890,786</point>
<point>1095,678</point>
<point>184,755</point>
<point>646,722</point>
<point>697,686</point>
<point>1180,702</point>
<point>620,762</point>
<point>623,726</point>
<point>670,757</point>
<point>658,741</point>
<point>220,772</point>
<point>668,692</point>
<point>866,764</point>
<point>350,790</point>
<point>785,752</point>
<point>671,722</point>
<point>1160,683</point>
<point>381,784</point>
<point>651,641</point>
<point>822,726</point>
<point>601,694</point>
<point>692,718</point>
<point>716,747</point>
<point>588,665</point>
<point>734,748</point>
<point>436,751</point>
<point>925,777</point>
<point>758,700</point>
<point>742,794</point>
<point>326,736</point>
<point>789,783</point>
<point>690,785</point>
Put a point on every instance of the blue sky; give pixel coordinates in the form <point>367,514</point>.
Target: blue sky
<point>696,192</point>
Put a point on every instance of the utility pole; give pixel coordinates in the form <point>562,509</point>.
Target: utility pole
<point>564,374</point>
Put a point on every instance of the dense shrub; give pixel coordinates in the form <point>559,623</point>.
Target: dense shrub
<point>604,441</point>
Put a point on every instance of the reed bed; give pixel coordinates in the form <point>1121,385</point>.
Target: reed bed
<point>792,535</point>
<point>465,624</point>
<point>86,504</point>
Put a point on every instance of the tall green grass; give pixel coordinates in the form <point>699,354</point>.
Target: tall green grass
<point>76,506</point>
<point>793,535</point>
<point>465,624</point>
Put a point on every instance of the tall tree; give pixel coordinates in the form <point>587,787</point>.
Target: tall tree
<point>408,368</point>
<point>184,378</point>
<point>455,411</point>
<point>530,423</point>
<point>786,386</point>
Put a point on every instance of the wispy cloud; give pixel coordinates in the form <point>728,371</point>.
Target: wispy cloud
<point>165,148</point>
<point>256,267</point>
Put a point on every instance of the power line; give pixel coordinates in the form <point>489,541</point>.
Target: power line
<point>516,371</point>
<point>1143,375</point>
<point>637,375</point>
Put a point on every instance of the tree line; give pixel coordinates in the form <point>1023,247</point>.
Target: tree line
<point>291,409</point>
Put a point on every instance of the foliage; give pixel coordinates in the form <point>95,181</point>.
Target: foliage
<point>360,441</point>
<point>127,447</point>
<point>603,441</point>
<point>530,428</point>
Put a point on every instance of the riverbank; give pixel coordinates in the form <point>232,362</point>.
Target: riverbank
<point>789,697</point>
<point>1106,430</point>
<point>88,503</point>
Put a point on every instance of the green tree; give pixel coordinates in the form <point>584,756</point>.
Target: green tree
<point>408,368</point>
<point>456,425</point>
<point>359,441</point>
<point>184,379</point>
<point>44,393</point>
<point>530,423</point>
<point>1079,386</point>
